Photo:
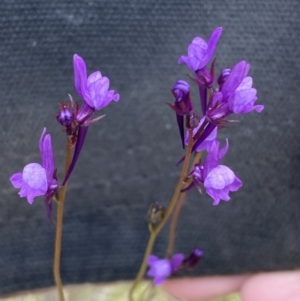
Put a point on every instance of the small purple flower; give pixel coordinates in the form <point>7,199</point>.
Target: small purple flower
<point>238,91</point>
<point>236,96</point>
<point>93,89</point>
<point>36,179</point>
<point>161,269</point>
<point>218,180</point>
<point>201,52</point>
<point>206,144</point>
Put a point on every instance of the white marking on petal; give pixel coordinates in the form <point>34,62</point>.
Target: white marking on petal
<point>219,177</point>
<point>35,176</point>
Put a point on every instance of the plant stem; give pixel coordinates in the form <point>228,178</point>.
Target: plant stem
<point>176,213</point>
<point>170,208</point>
<point>59,225</point>
<point>173,225</point>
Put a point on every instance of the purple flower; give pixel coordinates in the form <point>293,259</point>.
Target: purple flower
<point>206,144</point>
<point>201,52</point>
<point>238,91</point>
<point>93,89</point>
<point>36,179</point>
<point>161,269</point>
<point>236,96</point>
<point>218,180</point>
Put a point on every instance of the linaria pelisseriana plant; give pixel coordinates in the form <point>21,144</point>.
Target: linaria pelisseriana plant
<point>230,93</point>
<point>41,179</point>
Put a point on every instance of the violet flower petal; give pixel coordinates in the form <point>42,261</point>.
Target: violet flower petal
<point>152,259</point>
<point>214,156</point>
<point>223,151</point>
<point>176,262</point>
<point>16,180</point>
<point>45,145</point>
<point>211,47</point>
<point>235,78</point>
<point>80,75</point>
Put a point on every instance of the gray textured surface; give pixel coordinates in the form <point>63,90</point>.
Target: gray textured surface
<point>128,159</point>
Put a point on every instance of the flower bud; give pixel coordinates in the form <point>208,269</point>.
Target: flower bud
<point>181,89</point>
<point>192,260</point>
<point>183,104</point>
<point>65,117</point>
<point>156,213</point>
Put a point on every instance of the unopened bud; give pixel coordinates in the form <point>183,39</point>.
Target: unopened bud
<point>183,104</point>
<point>181,89</point>
<point>64,117</point>
<point>193,259</point>
<point>156,213</point>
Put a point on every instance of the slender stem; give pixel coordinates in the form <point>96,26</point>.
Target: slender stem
<point>170,208</point>
<point>59,225</point>
<point>173,225</point>
<point>176,213</point>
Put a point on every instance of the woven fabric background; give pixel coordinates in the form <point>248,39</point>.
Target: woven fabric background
<point>129,157</point>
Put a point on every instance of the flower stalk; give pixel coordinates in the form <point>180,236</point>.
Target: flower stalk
<point>176,213</point>
<point>155,231</point>
<point>59,224</point>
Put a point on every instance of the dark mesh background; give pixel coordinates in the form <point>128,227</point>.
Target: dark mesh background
<point>128,159</point>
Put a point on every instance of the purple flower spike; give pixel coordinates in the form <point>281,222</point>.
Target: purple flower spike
<point>201,52</point>
<point>93,89</point>
<point>38,180</point>
<point>161,269</point>
<point>206,144</point>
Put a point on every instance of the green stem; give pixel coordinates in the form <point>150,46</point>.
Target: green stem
<point>176,213</point>
<point>59,225</point>
<point>170,208</point>
<point>173,225</point>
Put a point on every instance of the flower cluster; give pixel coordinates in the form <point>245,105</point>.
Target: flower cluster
<point>231,93</point>
<point>40,179</point>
